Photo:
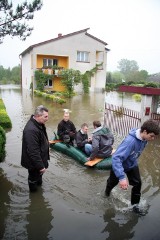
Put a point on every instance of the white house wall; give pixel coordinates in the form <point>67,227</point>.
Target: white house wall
<point>26,71</point>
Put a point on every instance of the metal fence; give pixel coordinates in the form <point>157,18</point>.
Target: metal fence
<point>156,117</point>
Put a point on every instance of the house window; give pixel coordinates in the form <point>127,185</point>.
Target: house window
<point>48,83</point>
<point>82,56</point>
<point>55,62</point>
<point>44,62</point>
<point>47,62</point>
<point>50,62</point>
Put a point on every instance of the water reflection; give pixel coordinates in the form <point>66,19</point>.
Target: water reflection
<point>119,225</point>
<point>5,187</point>
<point>39,217</point>
<point>150,170</point>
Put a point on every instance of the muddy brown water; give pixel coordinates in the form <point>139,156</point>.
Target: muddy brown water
<point>70,204</point>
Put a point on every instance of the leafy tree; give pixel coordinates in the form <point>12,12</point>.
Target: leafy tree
<point>41,79</point>
<point>137,76</point>
<point>15,74</point>
<point>2,72</point>
<point>69,78</point>
<point>109,77</point>
<point>143,75</point>
<point>114,77</point>
<point>126,66</point>
<point>117,77</point>
<point>10,75</point>
<point>13,22</point>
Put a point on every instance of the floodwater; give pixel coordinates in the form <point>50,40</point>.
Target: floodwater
<point>70,204</point>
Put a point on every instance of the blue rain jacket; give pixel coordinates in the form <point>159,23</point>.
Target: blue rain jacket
<point>127,153</point>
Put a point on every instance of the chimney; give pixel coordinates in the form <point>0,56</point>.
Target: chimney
<point>59,35</point>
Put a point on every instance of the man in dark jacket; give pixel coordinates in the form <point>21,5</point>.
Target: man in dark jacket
<point>102,141</point>
<point>35,147</point>
<point>83,141</point>
<point>66,129</point>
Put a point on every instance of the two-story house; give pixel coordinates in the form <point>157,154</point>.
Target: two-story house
<point>78,50</point>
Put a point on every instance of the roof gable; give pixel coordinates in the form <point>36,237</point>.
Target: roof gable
<point>62,37</point>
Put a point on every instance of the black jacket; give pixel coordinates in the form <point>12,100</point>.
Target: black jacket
<point>35,146</point>
<point>66,128</point>
<point>102,141</point>
<point>81,140</point>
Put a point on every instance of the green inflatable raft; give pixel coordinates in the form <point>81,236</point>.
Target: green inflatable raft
<point>79,156</point>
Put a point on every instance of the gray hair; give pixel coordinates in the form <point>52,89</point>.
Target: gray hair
<point>39,110</point>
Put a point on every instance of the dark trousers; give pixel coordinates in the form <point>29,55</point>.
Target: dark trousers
<point>34,179</point>
<point>134,180</point>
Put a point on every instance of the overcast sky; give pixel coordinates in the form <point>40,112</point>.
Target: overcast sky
<point>130,27</point>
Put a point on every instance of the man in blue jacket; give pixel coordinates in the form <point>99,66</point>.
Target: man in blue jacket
<point>124,161</point>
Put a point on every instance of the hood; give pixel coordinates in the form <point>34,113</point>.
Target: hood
<point>97,129</point>
<point>135,133</point>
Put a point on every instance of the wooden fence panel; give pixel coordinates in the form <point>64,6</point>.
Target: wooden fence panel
<point>120,120</point>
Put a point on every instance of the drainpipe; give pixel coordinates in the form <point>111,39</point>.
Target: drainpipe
<point>21,69</point>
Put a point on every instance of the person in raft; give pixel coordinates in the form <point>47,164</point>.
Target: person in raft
<point>102,141</point>
<point>124,162</point>
<point>83,141</point>
<point>66,129</point>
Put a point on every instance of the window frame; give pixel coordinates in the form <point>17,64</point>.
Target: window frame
<point>48,81</point>
<point>83,56</point>
<point>53,62</point>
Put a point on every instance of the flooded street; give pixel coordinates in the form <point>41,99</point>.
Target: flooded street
<point>71,204</point>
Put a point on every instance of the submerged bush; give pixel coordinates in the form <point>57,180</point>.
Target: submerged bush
<point>2,143</point>
<point>52,97</point>
<point>5,121</point>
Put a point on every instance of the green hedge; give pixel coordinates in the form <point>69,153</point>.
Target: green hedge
<point>5,121</point>
<point>2,143</point>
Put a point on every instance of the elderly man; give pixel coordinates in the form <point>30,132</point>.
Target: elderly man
<point>35,147</point>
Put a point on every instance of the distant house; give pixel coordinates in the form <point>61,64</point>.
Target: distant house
<point>78,50</point>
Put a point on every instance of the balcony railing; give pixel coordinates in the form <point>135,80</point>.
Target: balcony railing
<point>51,71</point>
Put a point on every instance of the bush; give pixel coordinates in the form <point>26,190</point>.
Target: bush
<point>2,143</point>
<point>5,121</point>
<point>137,97</point>
<point>151,84</point>
<point>52,97</point>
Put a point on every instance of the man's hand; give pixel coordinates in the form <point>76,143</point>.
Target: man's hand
<point>89,139</point>
<point>124,184</point>
<point>42,170</point>
<point>71,134</point>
